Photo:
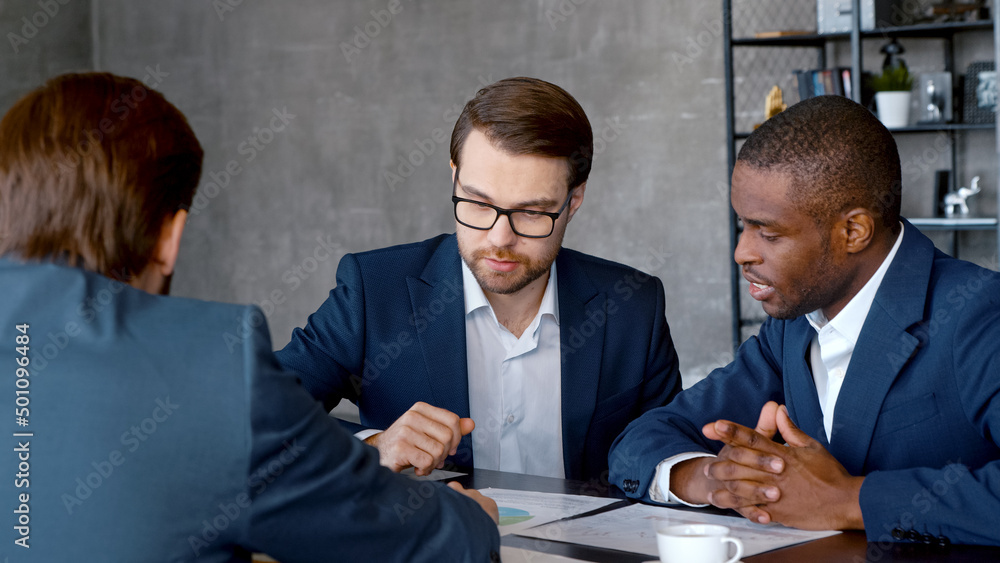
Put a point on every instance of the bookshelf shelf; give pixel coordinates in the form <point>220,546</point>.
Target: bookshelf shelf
<point>955,223</point>
<point>753,64</point>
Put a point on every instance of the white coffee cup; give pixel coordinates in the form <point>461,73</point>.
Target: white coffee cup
<point>697,543</point>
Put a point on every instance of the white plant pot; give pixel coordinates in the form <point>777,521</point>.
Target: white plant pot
<point>893,108</point>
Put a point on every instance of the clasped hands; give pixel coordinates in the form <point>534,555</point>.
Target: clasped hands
<point>799,485</point>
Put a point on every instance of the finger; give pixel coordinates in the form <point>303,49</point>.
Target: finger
<point>755,514</point>
<point>767,426</point>
<point>456,485</point>
<point>737,435</point>
<point>739,495</point>
<point>432,427</point>
<point>407,446</point>
<point>790,432</point>
<point>443,417</point>
<point>466,425</point>
<point>741,463</point>
<point>755,486</point>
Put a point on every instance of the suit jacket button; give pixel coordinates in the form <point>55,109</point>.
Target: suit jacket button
<point>913,535</point>
<point>928,539</point>
<point>898,534</point>
<point>943,541</point>
<point>494,557</point>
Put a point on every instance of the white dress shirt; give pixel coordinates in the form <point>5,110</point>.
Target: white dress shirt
<point>829,357</point>
<point>832,347</point>
<point>514,385</point>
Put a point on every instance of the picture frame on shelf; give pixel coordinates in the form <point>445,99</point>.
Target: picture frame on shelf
<point>980,97</point>
<point>935,102</point>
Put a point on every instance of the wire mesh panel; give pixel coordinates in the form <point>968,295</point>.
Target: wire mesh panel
<point>756,70</point>
<point>755,16</point>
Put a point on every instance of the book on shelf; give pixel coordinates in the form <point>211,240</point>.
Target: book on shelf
<point>821,82</point>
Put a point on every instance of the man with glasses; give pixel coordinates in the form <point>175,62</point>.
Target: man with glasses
<point>543,354</point>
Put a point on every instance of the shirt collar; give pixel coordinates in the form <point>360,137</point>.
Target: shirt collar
<point>476,299</point>
<point>851,318</point>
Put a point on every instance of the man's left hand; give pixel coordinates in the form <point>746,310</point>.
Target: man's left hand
<point>815,491</point>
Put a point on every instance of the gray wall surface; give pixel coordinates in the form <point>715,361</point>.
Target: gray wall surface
<point>367,94</point>
<point>359,112</point>
<point>40,43</point>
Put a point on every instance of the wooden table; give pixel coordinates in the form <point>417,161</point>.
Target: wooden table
<point>849,547</point>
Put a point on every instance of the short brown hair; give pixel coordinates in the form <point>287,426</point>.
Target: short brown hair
<point>529,116</point>
<point>838,154</point>
<point>91,165</point>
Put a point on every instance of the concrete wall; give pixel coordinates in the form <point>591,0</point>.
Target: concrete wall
<point>364,103</point>
<point>40,42</point>
<point>376,83</point>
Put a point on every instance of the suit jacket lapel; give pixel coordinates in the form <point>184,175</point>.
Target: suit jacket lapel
<point>582,346</point>
<point>801,398</point>
<point>884,347</point>
<point>438,300</point>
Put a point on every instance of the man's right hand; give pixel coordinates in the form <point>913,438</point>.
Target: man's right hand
<point>691,480</point>
<point>422,438</point>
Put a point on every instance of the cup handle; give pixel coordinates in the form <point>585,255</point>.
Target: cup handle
<point>739,549</point>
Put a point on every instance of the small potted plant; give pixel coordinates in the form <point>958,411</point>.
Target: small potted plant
<point>892,96</point>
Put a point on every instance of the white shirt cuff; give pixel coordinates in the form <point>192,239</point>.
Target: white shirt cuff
<point>661,480</point>
<point>365,434</point>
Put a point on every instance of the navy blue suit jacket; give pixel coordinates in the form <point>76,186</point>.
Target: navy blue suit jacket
<point>163,429</point>
<point>393,333</point>
<point>918,413</point>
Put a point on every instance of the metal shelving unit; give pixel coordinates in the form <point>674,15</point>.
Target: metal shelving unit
<point>765,62</point>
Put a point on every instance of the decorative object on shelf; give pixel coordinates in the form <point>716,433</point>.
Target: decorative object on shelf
<point>834,16</point>
<point>893,55</point>
<point>892,96</point>
<point>782,33</point>
<point>935,97</point>
<point>942,187</point>
<point>980,93</point>
<point>959,11</point>
<point>953,200</point>
<point>774,104</point>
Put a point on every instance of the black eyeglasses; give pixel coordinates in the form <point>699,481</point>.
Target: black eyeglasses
<point>526,223</point>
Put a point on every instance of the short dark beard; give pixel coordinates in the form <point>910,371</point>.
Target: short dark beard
<point>502,283</point>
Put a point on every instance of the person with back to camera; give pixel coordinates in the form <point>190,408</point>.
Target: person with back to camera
<point>144,437</point>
